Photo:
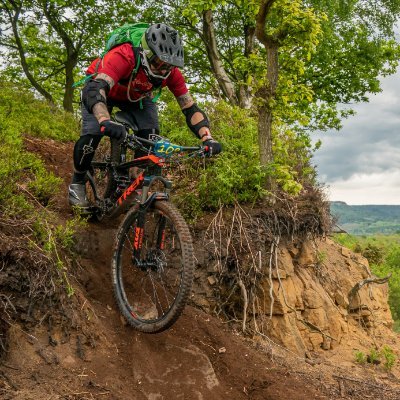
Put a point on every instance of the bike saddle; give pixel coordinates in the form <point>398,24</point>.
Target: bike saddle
<point>126,119</point>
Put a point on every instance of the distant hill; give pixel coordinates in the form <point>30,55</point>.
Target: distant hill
<point>367,219</point>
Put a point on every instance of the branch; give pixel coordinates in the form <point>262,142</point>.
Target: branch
<point>359,285</point>
<point>265,7</point>
<point>14,24</point>
<point>10,46</point>
<point>51,15</point>
<point>214,57</point>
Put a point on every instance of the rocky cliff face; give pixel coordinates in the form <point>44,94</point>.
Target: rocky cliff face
<point>317,296</point>
<point>318,305</point>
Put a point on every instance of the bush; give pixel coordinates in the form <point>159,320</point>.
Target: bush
<point>235,175</point>
<point>375,357</point>
<point>25,181</point>
<point>22,174</point>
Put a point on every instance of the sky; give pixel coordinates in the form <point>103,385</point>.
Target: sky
<point>360,164</point>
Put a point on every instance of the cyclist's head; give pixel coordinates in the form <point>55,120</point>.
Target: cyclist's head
<point>163,50</point>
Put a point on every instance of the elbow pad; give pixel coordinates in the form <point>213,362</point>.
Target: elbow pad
<point>91,93</point>
<point>189,112</point>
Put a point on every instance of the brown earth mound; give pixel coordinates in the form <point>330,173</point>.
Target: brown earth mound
<point>201,356</point>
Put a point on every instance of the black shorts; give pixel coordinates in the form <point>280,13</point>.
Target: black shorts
<point>145,117</point>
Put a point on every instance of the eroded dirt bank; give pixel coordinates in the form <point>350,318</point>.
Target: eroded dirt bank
<point>200,357</point>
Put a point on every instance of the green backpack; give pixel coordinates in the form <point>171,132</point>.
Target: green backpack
<point>129,33</point>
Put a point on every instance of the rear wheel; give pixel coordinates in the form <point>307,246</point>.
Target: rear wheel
<point>151,290</point>
<point>108,151</point>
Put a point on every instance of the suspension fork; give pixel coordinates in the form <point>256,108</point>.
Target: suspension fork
<point>145,204</point>
<point>139,233</point>
<point>161,233</point>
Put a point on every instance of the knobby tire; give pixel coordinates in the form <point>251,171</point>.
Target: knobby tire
<point>107,151</point>
<point>152,293</point>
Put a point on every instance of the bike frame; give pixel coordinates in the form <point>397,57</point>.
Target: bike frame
<point>143,182</point>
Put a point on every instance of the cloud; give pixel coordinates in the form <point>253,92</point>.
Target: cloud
<point>378,188</point>
<point>365,154</point>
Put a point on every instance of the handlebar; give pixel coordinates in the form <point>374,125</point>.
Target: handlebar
<point>163,148</point>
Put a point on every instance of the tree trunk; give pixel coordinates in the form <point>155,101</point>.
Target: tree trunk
<point>69,80</point>
<point>265,114</point>
<point>25,67</point>
<point>265,135</point>
<point>245,94</point>
<point>245,97</point>
<point>52,15</point>
<point>223,80</point>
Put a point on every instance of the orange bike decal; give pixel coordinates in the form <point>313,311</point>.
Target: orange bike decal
<point>131,188</point>
<point>137,243</point>
<point>162,244</point>
<point>152,158</point>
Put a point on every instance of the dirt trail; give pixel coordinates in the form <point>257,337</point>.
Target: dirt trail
<point>198,358</point>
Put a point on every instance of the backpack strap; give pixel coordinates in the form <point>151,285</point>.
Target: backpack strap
<point>136,53</point>
<point>87,77</point>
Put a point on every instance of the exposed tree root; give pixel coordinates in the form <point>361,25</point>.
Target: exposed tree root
<point>245,251</point>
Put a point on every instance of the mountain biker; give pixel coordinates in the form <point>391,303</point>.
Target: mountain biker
<point>161,56</point>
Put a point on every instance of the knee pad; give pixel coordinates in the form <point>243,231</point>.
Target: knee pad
<point>91,93</point>
<point>84,151</point>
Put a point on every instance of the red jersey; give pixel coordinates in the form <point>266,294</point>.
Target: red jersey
<point>119,63</point>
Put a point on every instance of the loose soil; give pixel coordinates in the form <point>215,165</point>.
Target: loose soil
<point>200,357</point>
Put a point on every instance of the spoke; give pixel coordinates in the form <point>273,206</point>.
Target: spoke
<point>129,242</point>
<point>156,298</point>
<point>151,288</point>
<point>165,291</point>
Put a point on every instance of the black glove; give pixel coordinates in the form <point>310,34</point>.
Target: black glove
<point>214,147</point>
<point>113,130</point>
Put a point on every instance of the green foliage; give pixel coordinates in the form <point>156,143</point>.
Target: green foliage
<point>23,114</point>
<point>389,357</point>
<point>23,174</point>
<point>360,357</point>
<point>330,53</point>
<point>235,175</point>
<point>367,219</point>
<point>54,50</point>
<point>44,187</point>
<point>373,253</point>
<point>27,187</point>
<point>65,233</point>
<point>375,357</point>
<point>321,257</point>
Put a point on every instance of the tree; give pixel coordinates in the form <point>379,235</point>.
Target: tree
<point>296,61</point>
<point>50,38</point>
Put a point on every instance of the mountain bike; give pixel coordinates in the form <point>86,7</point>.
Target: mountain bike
<point>152,263</point>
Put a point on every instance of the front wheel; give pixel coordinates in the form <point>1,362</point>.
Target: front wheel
<point>152,285</point>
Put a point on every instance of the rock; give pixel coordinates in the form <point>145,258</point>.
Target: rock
<point>279,274</point>
<point>307,255</point>
<point>315,341</point>
<point>317,317</point>
<point>285,261</point>
<point>283,329</point>
<point>312,299</point>
<point>211,280</point>
<point>326,343</point>
<point>346,252</point>
<point>341,299</point>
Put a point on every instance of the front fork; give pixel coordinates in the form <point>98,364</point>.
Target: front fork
<point>146,203</point>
